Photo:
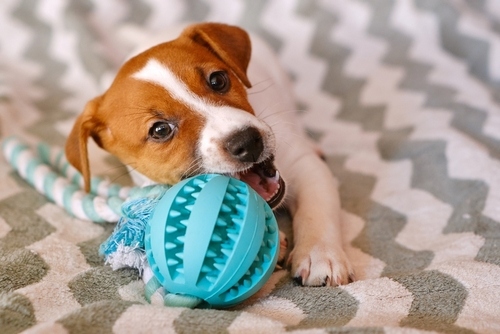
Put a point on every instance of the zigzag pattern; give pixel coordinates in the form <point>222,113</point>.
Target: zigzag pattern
<point>352,110</point>
<point>476,46</point>
<point>478,56</point>
<point>49,78</point>
<point>17,74</point>
<point>403,98</point>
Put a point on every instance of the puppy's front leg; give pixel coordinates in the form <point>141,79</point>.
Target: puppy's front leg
<point>317,258</point>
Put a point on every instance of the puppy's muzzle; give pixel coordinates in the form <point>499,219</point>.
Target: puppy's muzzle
<point>245,145</point>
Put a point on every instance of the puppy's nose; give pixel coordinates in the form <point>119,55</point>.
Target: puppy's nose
<point>245,145</point>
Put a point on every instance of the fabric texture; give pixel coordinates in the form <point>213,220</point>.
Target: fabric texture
<point>402,96</point>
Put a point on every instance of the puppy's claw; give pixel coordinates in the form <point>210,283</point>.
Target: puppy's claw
<point>320,267</point>
<point>298,280</point>
<point>327,281</point>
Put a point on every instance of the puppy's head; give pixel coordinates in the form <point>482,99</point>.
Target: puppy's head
<point>180,109</point>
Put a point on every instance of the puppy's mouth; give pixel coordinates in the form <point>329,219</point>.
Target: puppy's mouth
<point>265,179</point>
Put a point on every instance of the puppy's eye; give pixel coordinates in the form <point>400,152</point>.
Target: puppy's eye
<point>161,131</point>
<point>219,82</point>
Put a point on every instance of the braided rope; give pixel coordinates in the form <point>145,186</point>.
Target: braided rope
<point>48,171</point>
<point>154,290</point>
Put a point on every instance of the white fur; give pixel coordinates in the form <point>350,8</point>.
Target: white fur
<point>160,74</point>
<point>317,255</point>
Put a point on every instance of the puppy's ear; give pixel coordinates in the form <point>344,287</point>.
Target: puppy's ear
<point>231,44</point>
<point>76,144</point>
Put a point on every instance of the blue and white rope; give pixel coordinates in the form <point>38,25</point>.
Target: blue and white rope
<point>56,158</point>
<point>48,171</point>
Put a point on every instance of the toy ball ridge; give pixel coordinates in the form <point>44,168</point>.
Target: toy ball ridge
<point>212,237</point>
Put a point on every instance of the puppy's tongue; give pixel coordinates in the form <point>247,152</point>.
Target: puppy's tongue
<point>266,181</point>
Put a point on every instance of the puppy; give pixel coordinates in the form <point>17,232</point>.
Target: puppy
<point>181,108</point>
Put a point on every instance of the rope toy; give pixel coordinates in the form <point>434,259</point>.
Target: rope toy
<point>48,171</point>
<point>208,241</point>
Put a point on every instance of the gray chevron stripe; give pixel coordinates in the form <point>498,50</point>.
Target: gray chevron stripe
<point>372,119</point>
<point>466,196</point>
<point>95,318</point>
<point>20,268</point>
<point>138,11</point>
<point>480,9</point>
<point>383,224</point>
<point>50,79</point>
<point>470,121</point>
<point>252,22</point>
<point>103,282</point>
<point>340,306</point>
<point>474,51</point>
<point>465,118</point>
<point>476,4</point>
<point>77,12</point>
<point>355,330</point>
<point>204,321</point>
<point>197,10</point>
<point>90,248</point>
<point>19,211</point>
<point>16,313</point>
<point>336,82</point>
<point>430,310</point>
<point>473,191</point>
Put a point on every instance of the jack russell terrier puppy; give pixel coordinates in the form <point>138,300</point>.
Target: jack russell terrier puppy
<point>181,108</point>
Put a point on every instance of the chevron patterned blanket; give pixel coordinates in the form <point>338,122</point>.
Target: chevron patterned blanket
<point>404,98</point>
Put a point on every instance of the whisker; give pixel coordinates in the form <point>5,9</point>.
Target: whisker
<point>125,173</point>
<point>269,107</point>
<point>113,168</point>
<point>193,169</point>
<point>278,111</point>
<point>260,82</point>
<point>261,90</point>
<point>281,122</point>
<point>286,143</point>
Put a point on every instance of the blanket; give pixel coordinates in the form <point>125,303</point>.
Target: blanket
<point>402,96</point>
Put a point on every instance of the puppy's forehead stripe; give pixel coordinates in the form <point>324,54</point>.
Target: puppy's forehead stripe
<point>160,74</point>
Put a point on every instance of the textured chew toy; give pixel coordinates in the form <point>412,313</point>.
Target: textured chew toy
<point>212,238</point>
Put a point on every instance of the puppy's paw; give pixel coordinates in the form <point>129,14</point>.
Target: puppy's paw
<point>320,265</point>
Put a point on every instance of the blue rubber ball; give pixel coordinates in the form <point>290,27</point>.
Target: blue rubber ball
<point>212,237</point>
